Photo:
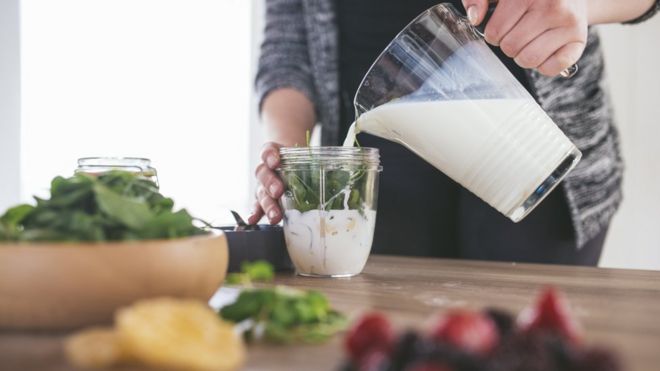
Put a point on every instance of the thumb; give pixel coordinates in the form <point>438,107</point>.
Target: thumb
<point>476,10</point>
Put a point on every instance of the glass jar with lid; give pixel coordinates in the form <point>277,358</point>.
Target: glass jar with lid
<point>100,165</point>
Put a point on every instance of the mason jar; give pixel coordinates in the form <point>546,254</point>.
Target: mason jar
<point>100,165</point>
<point>329,205</point>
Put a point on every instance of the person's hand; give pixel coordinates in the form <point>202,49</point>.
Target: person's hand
<point>270,187</point>
<point>547,35</point>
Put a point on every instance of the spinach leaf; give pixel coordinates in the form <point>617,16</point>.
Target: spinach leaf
<point>256,271</point>
<point>14,216</point>
<point>131,212</point>
<point>11,220</point>
<point>168,225</point>
<point>340,187</point>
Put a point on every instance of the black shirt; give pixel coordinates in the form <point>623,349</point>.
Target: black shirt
<point>366,27</point>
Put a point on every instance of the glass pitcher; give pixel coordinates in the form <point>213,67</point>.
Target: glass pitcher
<point>441,92</point>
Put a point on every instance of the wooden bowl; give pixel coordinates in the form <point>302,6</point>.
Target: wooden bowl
<point>68,285</point>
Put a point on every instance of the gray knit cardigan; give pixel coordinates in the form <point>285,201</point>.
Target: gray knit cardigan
<point>300,51</point>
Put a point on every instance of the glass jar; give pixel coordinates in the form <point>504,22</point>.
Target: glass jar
<point>329,204</point>
<point>100,165</point>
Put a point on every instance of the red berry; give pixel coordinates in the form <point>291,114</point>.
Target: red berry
<point>373,332</point>
<point>598,359</point>
<point>469,331</point>
<point>550,313</point>
<point>375,360</point>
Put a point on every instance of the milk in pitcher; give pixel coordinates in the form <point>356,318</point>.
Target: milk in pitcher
<point>502,150</point>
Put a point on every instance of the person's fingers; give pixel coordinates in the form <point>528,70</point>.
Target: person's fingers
<point>562,59</point>
<point>257,214</point>
<point>504,19</point>
<point>270,187</point>
<point>271,208</point>
<point>531,26</point>
<point>269,181</point>
<point>475,10</point>
<point>541,48</point>
<point>544,46</point>
<point>270,155</point>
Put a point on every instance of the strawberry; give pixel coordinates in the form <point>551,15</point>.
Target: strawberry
<point>470,331</point>
<point>373,332</point>
<point>550,313</point>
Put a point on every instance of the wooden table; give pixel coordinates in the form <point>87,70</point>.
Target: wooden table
<point>617,308</point>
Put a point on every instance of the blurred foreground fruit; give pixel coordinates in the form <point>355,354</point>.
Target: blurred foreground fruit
<point>95,348</point>
<point>550,313</point>
<point>372,333</point>
<point>179,334</point>
<point>470,331</point>
<point>545,338</point>
<point>164,334</point>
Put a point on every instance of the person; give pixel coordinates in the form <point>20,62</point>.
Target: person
<point>315,53</point>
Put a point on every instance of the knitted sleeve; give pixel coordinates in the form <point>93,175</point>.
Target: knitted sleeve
<point>284,59</point>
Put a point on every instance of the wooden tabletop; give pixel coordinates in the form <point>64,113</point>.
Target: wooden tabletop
<point>617,308</point>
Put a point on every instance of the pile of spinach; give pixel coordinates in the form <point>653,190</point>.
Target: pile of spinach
<point>285,315</point>
<point>113,206</point>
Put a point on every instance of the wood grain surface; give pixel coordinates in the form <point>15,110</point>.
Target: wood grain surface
<point>617,308</point>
